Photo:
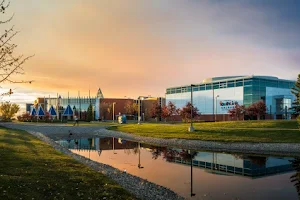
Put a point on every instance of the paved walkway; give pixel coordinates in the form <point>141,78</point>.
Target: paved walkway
<point>53,128</point>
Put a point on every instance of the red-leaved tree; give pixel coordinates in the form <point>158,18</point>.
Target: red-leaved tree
<point>25,117</point>
<point>237,112</point>
<point>172,110</point>
<point>185,112</point>
<point>165,113</point>
<point>156,111</point>
<point>257,109</point>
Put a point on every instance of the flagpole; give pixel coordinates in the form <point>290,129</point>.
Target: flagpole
<point>79,104</point>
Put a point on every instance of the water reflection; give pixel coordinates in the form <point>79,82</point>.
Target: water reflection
<point>167,166</point>
<point>295,178</point>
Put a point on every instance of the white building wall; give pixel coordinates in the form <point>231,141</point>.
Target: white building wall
<point>229,95</point>
<point>203,100</point>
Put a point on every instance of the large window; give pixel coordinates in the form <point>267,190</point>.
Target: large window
<point>283,105</point>
<point>248,82</point>
<point>239,83</point>
<point>208,86</point>
<point>254,86</point>
<point>231,84</point>
<point>202,87</point>
<point>223,85</point>
<point>216,85</point>
<point>189,89</point>
<point>248,90</point>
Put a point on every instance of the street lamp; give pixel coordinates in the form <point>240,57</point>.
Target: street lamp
<point>140,109</point>
<point>192,194</point>
<point>114,111</point>
<point>114,145</point>
<point>139,165</point>
<point>216,107</point>
<point>191,128</point>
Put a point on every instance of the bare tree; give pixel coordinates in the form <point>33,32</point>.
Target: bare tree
<point>10,64</point>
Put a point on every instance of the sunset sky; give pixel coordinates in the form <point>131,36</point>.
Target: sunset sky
<point>141,47</point>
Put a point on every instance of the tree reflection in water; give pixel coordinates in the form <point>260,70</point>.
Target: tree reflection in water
<point>157,151</point>
<point>258,160</point>
<point>295,178</point>
<point>170,154</point>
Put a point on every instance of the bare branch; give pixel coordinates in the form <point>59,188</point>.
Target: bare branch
<point>5,42</point>
<point>8,20</point>
<point>5,78</point>
<point>10,64</point>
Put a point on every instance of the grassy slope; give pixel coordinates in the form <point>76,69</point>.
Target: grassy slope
<point>243,131</point>
<point>29,168</point>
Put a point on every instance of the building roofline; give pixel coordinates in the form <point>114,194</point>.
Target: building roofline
<point>233,78</point>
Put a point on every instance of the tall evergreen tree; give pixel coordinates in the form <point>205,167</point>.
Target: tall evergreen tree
<point>296,92</point>
<point>90,113</point>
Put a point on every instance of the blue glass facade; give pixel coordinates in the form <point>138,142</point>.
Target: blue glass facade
<point>254,86</point>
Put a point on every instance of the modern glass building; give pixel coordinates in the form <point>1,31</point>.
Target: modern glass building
<point>219,94</point>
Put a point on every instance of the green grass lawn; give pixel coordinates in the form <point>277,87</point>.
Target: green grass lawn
<point>238,131</point>
<point>30,168</point>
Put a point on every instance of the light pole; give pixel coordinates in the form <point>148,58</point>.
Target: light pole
<point>114,145</point>
<point>216,107</point>
<point>140,109</point>
<point>192,194</point>
<point>114,111</point>
<point>139,165</point>
<point>191,128</point>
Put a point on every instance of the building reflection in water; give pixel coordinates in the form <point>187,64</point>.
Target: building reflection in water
<point>217,163</point>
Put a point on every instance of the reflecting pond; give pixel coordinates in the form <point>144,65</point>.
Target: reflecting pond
<point>197,174</point>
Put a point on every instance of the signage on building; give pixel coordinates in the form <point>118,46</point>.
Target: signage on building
<point>228,104</point>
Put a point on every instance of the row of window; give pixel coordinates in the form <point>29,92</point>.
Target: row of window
<point>256,83</point>
<point>72,101</point>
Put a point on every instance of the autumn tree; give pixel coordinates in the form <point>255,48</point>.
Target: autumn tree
<point>168,111</point>
<point>257,109</point>
<point>131,108</point>
<point>156,111</point>
<point>8,110</point>
<point>105,109</point>
<point>185,112</point>
<point>296,91</point>
<point>10,63</point>
<point>165,112</point>
<point>237,112</point>
<point>25,117</point>
<point>172,110</point>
